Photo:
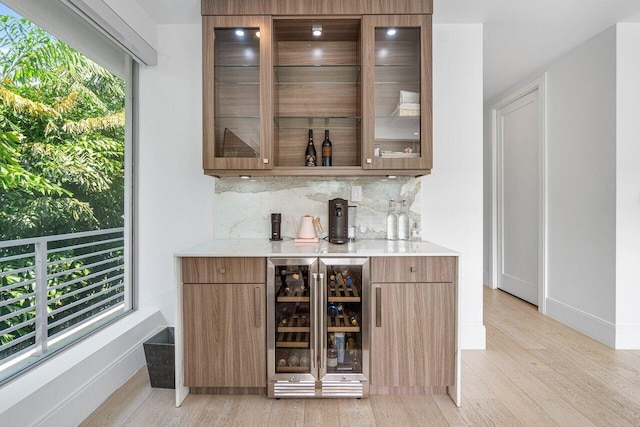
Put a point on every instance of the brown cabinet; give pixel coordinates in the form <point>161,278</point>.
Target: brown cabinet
<point>268,80</point>
<point>224,323</point>
<point>413,324</point>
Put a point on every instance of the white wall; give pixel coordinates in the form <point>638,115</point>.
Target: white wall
<point>487,184</point>
<point>593,106</point>
<point>452,195</point>
<point>628,187</point>
<point>581,132</point>
<point>175,199</point>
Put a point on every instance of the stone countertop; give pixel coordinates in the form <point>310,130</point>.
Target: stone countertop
<point>288,248</point>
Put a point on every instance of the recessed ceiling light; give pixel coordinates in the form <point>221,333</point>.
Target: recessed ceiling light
<point>258,34</point>
<point>240,33</point>
<point>316,30</point>
<point>391,32</point>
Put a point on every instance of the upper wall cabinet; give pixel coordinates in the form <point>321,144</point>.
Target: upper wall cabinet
<point>268,80</point>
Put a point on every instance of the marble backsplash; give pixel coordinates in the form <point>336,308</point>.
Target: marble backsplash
<point>243,207</point>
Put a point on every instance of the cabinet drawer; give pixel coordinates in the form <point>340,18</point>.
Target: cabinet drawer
<point>223,270</point>
<point>413,269</point>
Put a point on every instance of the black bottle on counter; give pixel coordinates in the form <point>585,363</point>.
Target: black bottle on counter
<point>310,157</point>
<point>326,150</point>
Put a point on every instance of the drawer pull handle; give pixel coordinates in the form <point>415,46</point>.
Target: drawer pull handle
<point>257,305</point>
<point>378,307</point>
<point>222,270</point>
<point>413,269</point>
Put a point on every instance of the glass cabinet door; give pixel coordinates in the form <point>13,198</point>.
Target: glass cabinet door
<point>237,87</point>
<point>397,91</point>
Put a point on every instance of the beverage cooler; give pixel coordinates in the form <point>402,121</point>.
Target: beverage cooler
<point>318,334</point>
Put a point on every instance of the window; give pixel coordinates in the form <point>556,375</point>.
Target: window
<point>65,185</point>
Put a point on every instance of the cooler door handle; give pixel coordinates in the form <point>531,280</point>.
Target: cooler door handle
<point>315,350</point>
<point>321,312</point>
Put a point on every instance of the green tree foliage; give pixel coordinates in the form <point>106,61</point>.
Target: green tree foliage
<point>61,137</point>
<point>61,171</point>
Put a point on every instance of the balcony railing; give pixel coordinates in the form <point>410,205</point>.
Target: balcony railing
<point>53,286</point>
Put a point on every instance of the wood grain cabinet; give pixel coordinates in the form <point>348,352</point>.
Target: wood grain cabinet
<point>224,323</point>
<point>268,80</point>
<point>413,324</point>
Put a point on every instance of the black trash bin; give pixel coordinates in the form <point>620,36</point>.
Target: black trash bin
<point>159,350</point>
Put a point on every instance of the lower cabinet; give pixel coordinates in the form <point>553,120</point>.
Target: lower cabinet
<point>224,325</point>
<point>413,324</point>
<point>412,329</point>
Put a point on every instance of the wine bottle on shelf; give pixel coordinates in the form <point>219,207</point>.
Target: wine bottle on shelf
<point>326,150</point>
<point>310,157</point>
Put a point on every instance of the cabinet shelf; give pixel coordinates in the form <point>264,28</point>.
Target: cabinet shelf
<point>395,74</point>
<point>325,122</point>
<point>236,74</point>
<point>317,74</point>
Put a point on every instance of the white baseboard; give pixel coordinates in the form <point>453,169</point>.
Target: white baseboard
<point>486,279</point>
<point>590,325</point>
<point>473,337</point>
<point>68,387</point>
<point>628,337</point>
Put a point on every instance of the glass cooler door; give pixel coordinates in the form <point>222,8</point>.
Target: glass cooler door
<point>291,322</point>
<point>345,334</point>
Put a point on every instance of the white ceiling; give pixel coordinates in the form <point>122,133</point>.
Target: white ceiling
<point>521,37</point>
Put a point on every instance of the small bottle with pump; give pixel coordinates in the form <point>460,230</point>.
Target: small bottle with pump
<point>403,222</point>
<point>392,221</point>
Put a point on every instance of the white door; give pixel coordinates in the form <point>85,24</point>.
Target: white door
<point>518,136</point>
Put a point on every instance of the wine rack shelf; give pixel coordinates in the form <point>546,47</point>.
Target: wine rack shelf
<point>294,324</point>
<point>295,295</point>
<point>344,294</point>
<point>293,339</point>
<point>341,323</point>
<point>292,369</point>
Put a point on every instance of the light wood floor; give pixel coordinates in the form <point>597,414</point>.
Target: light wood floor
<point>535,372</point>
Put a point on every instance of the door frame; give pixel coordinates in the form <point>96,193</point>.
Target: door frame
<point>540,85</point>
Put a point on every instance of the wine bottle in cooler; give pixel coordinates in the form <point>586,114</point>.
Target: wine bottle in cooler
<point>326,150</point>
<point>310,157</point>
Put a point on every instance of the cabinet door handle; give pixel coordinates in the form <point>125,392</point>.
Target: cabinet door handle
<point>378,307</point>
<point>321,311</point>
<point>257,306</point>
